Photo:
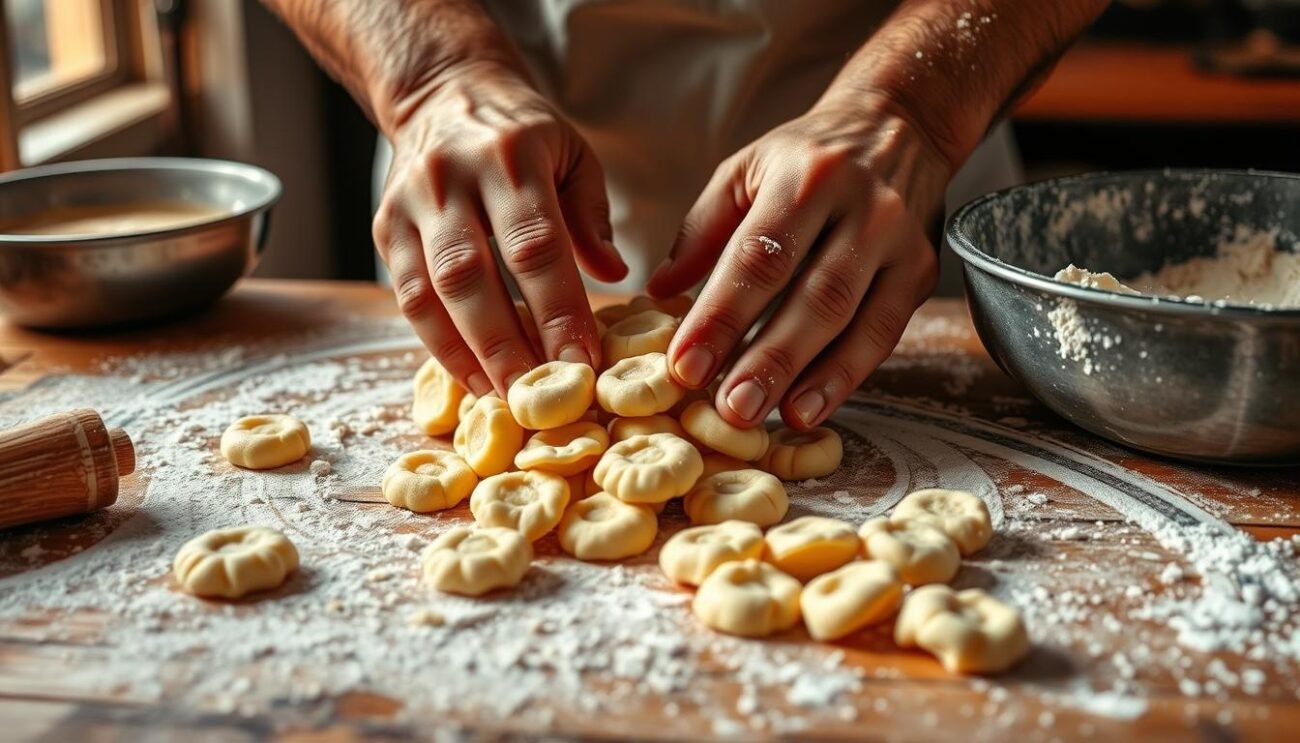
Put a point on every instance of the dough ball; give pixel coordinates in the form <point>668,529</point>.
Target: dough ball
<point>603,527</point>
<point>961,515</point>
<point>564,451</point>
<point>530,502</point>
<point>488,438</point>
<point>811,545</point>
<point>843,601</point>
<point>742,495</point>
<point>638,386</point>
<point>472,562</point>
<point>802,455</point>
<point>466,403</point>
<point>437,399</point>
<point>645,332</point>
<point>715,463</point>
<point>919,552</point>
<point>230,563</point>
<point>649,469</point>
<point>263,442</point>
<point>702,421</point>
<point>690,555</point>
<point>622,429</point>
<point>968,631</point>
<point>748,598</point>
<point>428,480</point>
<point>552,395</point>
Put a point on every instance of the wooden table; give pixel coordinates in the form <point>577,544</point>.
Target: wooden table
<point>939,387</point>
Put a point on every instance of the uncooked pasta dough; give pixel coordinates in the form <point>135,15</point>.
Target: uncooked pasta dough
<point>263,442</point>
<point>968,631</point>
<point>230,563</point>
<point>472,562</point>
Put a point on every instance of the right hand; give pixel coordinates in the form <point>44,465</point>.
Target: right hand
<point>484,154</point>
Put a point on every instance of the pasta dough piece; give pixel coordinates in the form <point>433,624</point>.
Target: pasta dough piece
<point>961,515</point>
<point>919,552</point>
<point>649,469</point>
<point>564,451</point>
<point>690,555</point>
<point>702,421</point>
<point>743,495</point>
<point>230,563</point>
<point>622,429</point>
<point>428,480</point>
<point>263,442</point>
<point>488,438</point>
<point>466,403</point>
<point>472,562</point>
<point>810,546</point>
<point>552,395</point>
<point>715,463</point>
<point>968,631</point>
<point>530,502</point>
<point>843,601</point>
<point>603,527</point>
<point>638,386</point>
<point>748,598</point>
<point>645,332</point>
<point>437,399</point>
<point>802,455</point>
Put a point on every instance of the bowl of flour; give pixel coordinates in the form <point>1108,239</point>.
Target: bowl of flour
<point>1158,309</point>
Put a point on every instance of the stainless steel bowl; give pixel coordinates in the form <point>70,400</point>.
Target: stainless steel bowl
<point>88,281</point>
<point>1183,379</point>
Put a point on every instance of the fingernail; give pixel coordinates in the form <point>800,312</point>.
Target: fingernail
<point>574,353</point>
<point>693,366</point>
<point>479,384</point>
<point>809,405</point>
<point>746,399</point>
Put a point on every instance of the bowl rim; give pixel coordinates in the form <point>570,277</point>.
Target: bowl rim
<point>274,190</point>
<point>965,248</point>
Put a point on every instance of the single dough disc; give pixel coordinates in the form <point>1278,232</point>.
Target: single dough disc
<point>702,421</point>
<point>802,455</point>
<point>638,386</point>
<point>529,502</point>
<point>263,442</point>
<point>968,631</point>
<point>961,515</point>
<point>645,332</point>
<point>690,555</point>
<point>811,545</point>
<point>472,562</point>
<point>843,601</point>
<point>428,480</point>
<point>437,399</point>
<point>552,395</point>
<point>748,598</point>
<point>229,563</point>
<point>715,462</point>
<point>488,438</point>
<point>743,495</point>
<point>603,527</point>
<point>564,451</point>
<point>622,429</point>
<point>919,552</point>
<point>649,469</point>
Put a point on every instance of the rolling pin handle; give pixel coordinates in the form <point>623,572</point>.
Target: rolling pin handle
<point>123,451</point>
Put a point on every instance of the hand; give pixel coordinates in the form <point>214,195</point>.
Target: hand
<point>484,154</point>
<point>831,206</point>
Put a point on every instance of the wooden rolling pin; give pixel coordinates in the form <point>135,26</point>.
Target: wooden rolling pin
<point>62,465</point>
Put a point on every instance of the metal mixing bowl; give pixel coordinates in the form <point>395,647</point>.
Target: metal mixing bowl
<point>87,281</point>
<point>1183,379</point>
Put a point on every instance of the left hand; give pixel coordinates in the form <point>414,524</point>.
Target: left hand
<point>833,206</point>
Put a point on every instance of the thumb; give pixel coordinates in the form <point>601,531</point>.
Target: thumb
<point>585,206</point>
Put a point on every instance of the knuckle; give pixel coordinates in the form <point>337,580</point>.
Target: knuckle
<point>451,351</point>
<point>773,362</point>
<point>531,247</point>
<point>722,317</point>
<point>498,347</point>
<point>884,326</point>
<point>830,298</point>
<point>457,270</point>
<point>414,295</point>
<point>763,261</point>
<point>381,227</point>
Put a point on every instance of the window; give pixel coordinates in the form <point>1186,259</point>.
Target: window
<point>80,78</point>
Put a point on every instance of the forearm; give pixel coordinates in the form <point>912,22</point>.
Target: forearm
<point>955,67</point>
<point>392,53</point>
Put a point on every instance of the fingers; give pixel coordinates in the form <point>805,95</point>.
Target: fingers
<point>463,273</point>
<point>758,262</point>
<point>400,247</point>
<point>894,295</point>
<point>706,230</point>
<point>585,206</point>
<point>534,242</point>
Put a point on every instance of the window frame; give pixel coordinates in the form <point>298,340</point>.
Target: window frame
<point>117,16</point>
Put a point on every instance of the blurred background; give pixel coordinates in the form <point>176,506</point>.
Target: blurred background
<point>1154,83</point>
